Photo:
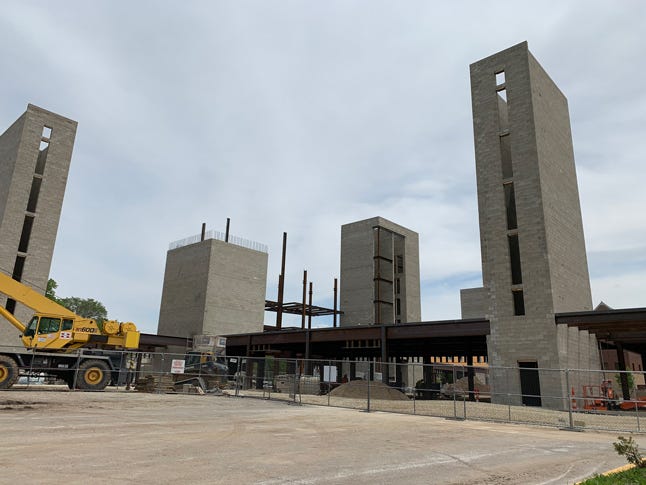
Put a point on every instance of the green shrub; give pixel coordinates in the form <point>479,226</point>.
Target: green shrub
<point>628,448</point>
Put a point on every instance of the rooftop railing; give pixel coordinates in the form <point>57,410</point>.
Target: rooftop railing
<point>220,236</point>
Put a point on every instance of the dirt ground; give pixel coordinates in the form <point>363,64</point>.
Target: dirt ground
<point>127,437</point>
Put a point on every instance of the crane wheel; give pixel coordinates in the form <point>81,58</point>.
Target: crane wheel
<point>8,372</point>
<point>93,375</point>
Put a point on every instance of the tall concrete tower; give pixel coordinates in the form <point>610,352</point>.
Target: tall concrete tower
<point>35,154</point>
<point>379,273</point>
<point>533,250</point>
<point>213,287</point>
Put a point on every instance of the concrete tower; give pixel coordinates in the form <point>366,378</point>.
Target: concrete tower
<point>533,250</point>
<point>35,154</point>
<point>379,273</point>
<point>212,287</point>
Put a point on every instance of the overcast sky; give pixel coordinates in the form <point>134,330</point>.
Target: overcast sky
<point>301,116</point>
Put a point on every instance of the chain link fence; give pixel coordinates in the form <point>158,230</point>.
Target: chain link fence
<point>569,399</point>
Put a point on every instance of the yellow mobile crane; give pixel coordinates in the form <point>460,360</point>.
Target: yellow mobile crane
<point>61,343</point>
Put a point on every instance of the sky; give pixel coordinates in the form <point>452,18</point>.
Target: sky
<point>301,116</point>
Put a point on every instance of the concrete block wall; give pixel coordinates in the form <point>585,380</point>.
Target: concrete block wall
<point>19,152</point>
<point>213,288</point>
<point>474,302</point>
<point>357,292</point>
<point>549,228</point>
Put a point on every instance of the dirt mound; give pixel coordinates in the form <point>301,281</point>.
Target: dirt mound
<point>359,390</point>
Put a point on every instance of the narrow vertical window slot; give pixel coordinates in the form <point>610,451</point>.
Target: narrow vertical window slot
<point>500,78</point>
<point>510,205</point>
<point>40,162</point>
<point>505,157</point>
<point>18,268</point>
<point>33,194</point>
<point>519,302</point>
<point>47,132</point>
<point>503,111</point>
<point>514,257</point>
<point>11,305</point>
<point>27,225</point>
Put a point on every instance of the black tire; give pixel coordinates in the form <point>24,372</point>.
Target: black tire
<point>93,375</point>
<point>8,372</point>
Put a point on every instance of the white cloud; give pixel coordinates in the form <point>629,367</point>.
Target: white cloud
<point>300,117</point>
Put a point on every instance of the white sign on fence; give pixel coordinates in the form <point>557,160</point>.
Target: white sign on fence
<point>177,366</point>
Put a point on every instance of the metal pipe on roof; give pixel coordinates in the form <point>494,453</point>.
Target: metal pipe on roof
<point>281,285</point>
<point>304,296</point>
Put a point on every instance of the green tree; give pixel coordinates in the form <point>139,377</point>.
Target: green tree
<point>50,292</point>
<point>84,307</point>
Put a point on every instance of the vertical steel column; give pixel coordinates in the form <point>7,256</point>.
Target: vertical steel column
<point>226,234</point>
<point>470,373</point>
<point>203,231</point>
<point>308,364</point>
<point>336,289</point>
<point>304,296</point>
<point>281,286</point>
<point>378,278</point>
<point>385,372</point>
<point>309,309</point>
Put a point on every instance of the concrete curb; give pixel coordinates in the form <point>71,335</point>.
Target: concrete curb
<point>611,472</point>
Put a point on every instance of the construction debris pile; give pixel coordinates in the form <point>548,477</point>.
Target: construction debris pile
<point>359,390</point>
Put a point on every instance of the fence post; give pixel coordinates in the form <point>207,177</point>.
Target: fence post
<point>161,373</point>
<point>237,380</point>
<point>297,378</point>
<point>569,401</point>
<point>369,375</point>
<point>329,381</point>
<point>637,414</point>
<point>415,388</point>
<point>455,408</point>
<point>120,370</point>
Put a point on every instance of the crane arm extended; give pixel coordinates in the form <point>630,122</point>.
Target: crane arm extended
<point>32,299</point>
<point>12,320</point>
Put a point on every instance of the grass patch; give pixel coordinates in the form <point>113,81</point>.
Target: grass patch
<point>634,476</point>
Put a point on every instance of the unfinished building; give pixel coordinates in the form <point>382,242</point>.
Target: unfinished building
<point>213,285</point>
<point>534,261</point>
<point>380,280</point>
<point>35,155</point>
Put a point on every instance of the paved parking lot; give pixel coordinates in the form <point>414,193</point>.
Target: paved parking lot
<point>121,437</point>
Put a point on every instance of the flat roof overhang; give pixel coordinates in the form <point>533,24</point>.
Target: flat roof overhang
<point>625,326</point>
<point>442,338</point>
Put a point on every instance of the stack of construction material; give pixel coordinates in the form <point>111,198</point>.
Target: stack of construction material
<point>151,383</point>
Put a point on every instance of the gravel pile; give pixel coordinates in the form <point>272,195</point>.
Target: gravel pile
<point>359,390</point>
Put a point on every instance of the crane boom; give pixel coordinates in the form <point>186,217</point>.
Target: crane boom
<point>32,299</point>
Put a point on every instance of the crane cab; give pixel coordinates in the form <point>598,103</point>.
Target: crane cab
<point>52,332</point>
